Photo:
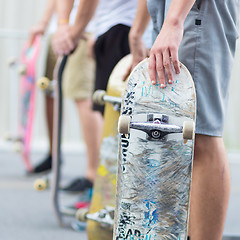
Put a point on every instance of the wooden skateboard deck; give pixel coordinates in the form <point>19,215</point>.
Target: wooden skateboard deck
<point>155,162</point>
<point>57,134</point>
<point>105,184</point>
<point>27,69</point>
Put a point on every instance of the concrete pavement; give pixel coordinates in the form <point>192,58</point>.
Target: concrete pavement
<point>28,215</point>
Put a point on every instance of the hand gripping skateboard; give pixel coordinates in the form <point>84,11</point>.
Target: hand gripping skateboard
<point>100,215</point>
<point>27,68</point>
<point>155,157</point>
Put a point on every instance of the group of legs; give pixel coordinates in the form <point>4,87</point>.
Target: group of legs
<point>78,80</point>
<point>79,85</point>
<point>211,177</point>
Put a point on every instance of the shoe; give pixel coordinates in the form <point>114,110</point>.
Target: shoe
<point>72,209</point>
<point>79,226</point>
<point>78,185</point>
<point>44,166</point>
<point>79,205</point>
<point>85,196</point>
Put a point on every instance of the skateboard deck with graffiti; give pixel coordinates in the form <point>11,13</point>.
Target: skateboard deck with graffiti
<point>101,213</point>
<point>155,157</point>
<point>27,69</point>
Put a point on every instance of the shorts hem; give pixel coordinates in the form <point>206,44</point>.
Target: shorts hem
<point>208,133</point>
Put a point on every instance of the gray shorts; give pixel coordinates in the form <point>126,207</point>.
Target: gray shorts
<point>207,50</point>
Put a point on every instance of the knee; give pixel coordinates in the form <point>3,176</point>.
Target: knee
<point>208,146</point>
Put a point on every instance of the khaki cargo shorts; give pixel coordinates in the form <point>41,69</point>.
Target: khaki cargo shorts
<point>79,73</point>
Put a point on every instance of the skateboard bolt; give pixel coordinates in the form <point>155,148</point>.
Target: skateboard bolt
<point>102,215</point>
<point>156,134</point>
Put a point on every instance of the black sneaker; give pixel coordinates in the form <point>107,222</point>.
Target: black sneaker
<point>78,185</point>
<point>44,166</point>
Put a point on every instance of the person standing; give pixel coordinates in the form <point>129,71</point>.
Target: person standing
<point>202,35</point>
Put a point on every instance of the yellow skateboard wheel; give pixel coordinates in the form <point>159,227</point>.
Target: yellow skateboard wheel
<point>40,184</point>
<point>43,83</point>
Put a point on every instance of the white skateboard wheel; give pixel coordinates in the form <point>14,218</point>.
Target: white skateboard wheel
<point>124,124</point>
<point>40,184</point>
<point>43,83</point>
<point>98,97</point>
<point>188,130</point>
<point>7,136</point>
<point>17,147</point>
<point>81,214</point>
<point>12,61</point>
<point>22,70</point>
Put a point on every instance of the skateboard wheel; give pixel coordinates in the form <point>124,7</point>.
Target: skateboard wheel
<point>43,83</point>
<point>12,61</point>
<point>81,214</point>
<point>98,97</point>
<point>40,184</point>
<point>17,147</point>
<point>188,130</point>
<point>22,70</point>
<point>7,136</point>
<point>124,124</point>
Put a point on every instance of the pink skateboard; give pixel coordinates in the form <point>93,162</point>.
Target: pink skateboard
<point>28,61</point>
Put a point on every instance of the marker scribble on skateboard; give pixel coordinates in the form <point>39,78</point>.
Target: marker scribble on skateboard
<point>155,166</point>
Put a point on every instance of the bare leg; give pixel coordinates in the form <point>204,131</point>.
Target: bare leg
<point>210,189</point>
<point>46,163</point>
<point>49,118</point>
<point>92,124</point>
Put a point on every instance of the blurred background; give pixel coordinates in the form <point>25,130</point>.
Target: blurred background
<point>16,18</point>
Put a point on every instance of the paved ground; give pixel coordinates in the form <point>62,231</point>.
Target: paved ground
<point>27,215</point>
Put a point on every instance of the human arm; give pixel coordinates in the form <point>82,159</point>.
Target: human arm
<point>138,28</point>
<point>40,28</point>
<point>61,37</point>
<point>65,43</point>
<point>136,44</point>
<point>164,52</point>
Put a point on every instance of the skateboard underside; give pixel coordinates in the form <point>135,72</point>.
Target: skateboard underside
<point>27,98</point>
<point>154,175</point>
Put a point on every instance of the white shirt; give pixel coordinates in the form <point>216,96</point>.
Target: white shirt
<point>112,12</point>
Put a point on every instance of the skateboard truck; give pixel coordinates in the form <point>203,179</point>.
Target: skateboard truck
<point>100,98</point>
<point>105,216</point>
<point>156,127</point>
